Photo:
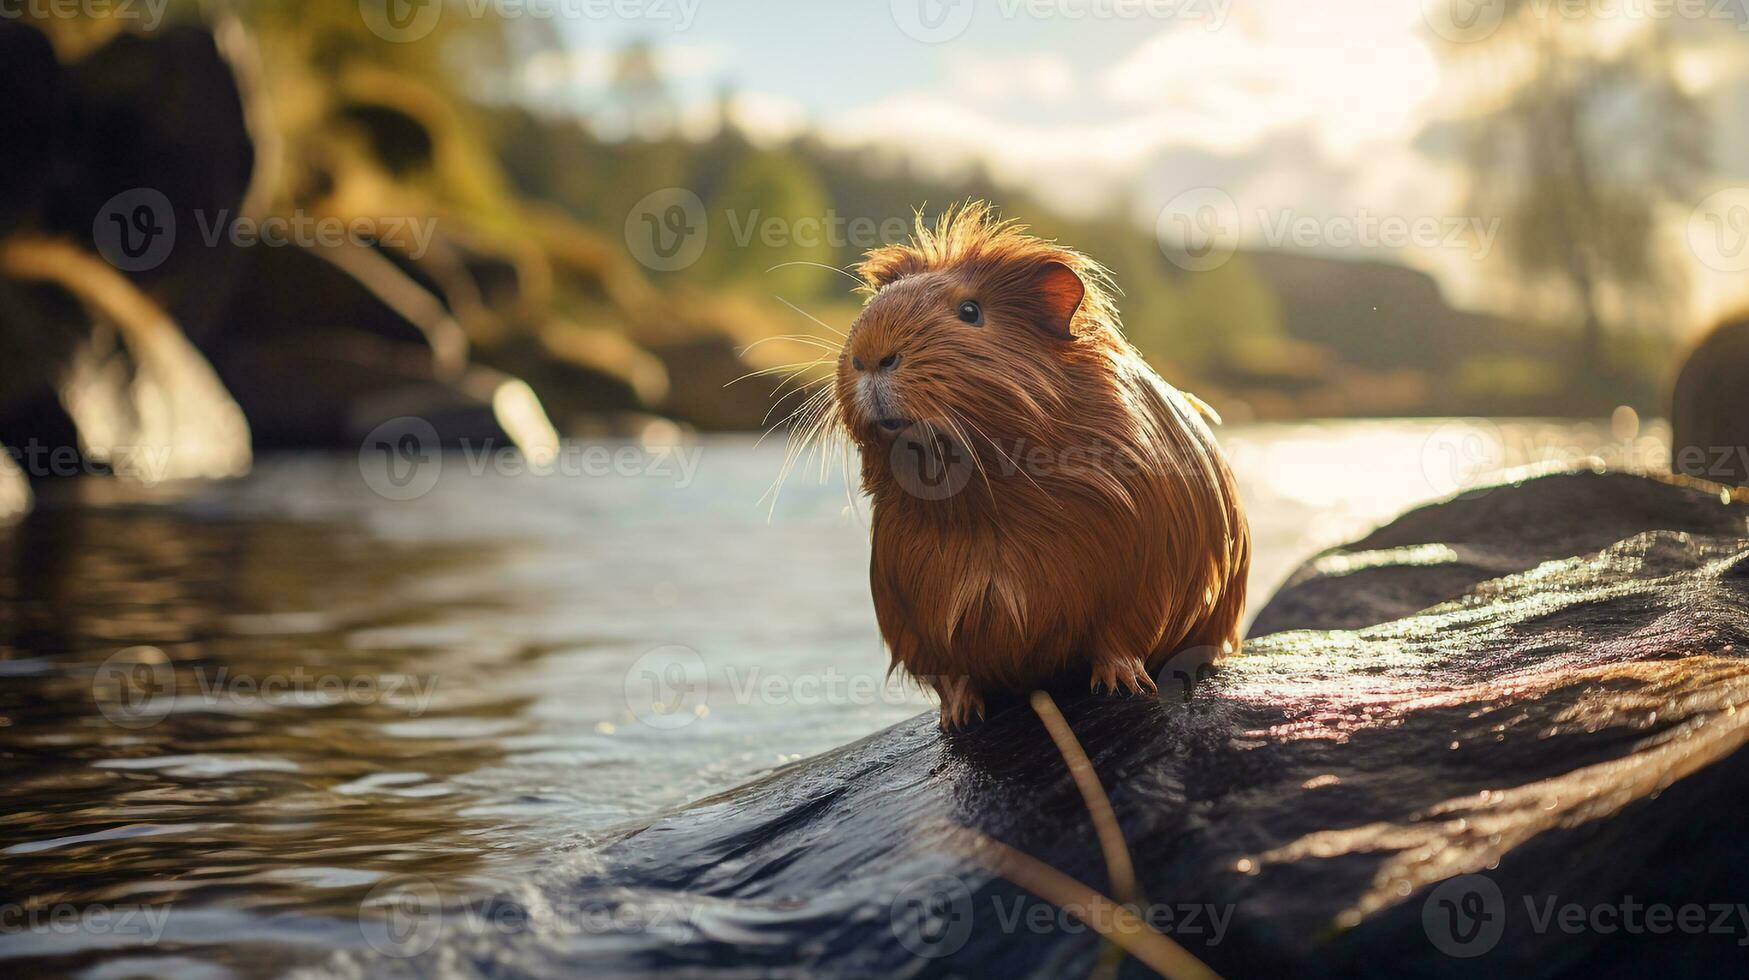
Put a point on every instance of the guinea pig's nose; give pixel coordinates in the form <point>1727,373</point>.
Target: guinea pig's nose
<point>887,363</point>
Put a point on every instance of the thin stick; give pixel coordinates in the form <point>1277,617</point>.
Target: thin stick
<point>1116,922</point>
<point>1117,854</point>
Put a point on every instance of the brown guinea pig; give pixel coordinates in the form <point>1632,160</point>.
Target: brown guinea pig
<point>1044,505</point>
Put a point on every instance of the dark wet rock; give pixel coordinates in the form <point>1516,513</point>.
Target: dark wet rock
<point>161,115</point>
<point>15,495</point>
<point>1440,552</point>
<point>32,122</point>
<point>1565,730</point>
<point>97,375</point>
<point>711,387</point>
<point>397,137</point>
<point>98,378</point>
<point>293,295</point>
<point>41,326</point>
<point>147,140</point>
<point>1708,418</point>
<point>592,372</point>
<point>324,345</point>
<point>498,300</point>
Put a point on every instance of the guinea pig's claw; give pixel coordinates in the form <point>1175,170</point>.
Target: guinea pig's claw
<point>1123,675</point>
<point>957,710</point>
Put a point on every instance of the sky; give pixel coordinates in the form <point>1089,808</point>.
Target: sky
<point>1292,111</point>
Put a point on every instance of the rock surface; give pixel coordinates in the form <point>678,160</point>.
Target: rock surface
<point>1510,703</point>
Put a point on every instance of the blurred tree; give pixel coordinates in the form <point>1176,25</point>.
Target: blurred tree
<point>1221,319</point>
<point>772,226</point>
<point>641,107</point>
<point>1578,134</point>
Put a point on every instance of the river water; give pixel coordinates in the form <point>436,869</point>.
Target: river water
<point>230,711</point>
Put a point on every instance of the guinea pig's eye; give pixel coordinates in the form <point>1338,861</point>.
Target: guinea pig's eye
<point>972,313</point>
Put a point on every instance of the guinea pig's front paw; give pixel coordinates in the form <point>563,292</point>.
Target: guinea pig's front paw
<point>1123,673</point>
<point>958,707</point>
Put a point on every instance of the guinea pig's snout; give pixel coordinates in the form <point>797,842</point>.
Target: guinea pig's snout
<point>875,393</point>
<point>887,363</point>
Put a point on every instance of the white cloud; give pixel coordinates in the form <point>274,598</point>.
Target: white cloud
<point>1044,78</point>
<point>1350,72</point>
<point>1357,78</point>
<point>764,118</point>
<point>588,69</point>
<point>1075,165</point>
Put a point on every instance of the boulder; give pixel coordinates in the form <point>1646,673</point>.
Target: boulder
<point>15,496</point>
<point>1520,702</point>
<point>142,152</point>
<point>102,380</point>
<point>159,139</point>
<point>715,388</point>
<point>1438,553</point>
<point>32,122</point>
<point>325,344</point>
<point>1709,417</point>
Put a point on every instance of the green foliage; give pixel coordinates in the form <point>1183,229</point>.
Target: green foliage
<point>771,227</point>
<point>1220,313</point>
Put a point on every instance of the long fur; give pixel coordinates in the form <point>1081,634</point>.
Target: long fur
<point>1100,521</point>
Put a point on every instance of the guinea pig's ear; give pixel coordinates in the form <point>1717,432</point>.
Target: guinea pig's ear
<point>1059,292</point>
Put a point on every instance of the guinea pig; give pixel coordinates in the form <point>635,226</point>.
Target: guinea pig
<point>1043,505</point>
